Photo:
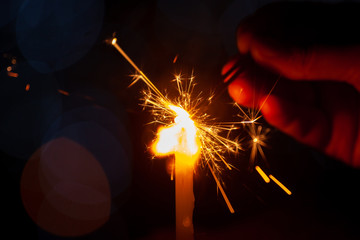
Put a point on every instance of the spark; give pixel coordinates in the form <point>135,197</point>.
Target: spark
<point>145,79</point>
<point>12,74</point>
<point>262,174</point>
<point>166,112</point>
<point>258,137</point>
<point>63,92</point>
<point>280,185</point>
<point>175,58</point>
<point>27,87</point>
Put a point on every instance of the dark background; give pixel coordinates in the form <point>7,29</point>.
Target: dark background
<point>61,45</point>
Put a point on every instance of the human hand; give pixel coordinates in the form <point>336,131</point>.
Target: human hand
<point>317,99</point>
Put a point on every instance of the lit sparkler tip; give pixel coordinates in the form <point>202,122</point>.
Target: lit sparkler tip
<point>113,42</point>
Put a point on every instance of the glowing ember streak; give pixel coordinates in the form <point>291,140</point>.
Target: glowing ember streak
<point>222,191</point>
<point>27,87</point>
<point>12,74</point>
<point>280,185</point>
<point>262,174</point>
<point>63,92</point>
<point>175,58</point>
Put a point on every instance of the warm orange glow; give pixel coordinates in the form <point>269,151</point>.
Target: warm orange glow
<point>113,41</point>
<point>63,92</point>
<point>280,185</point>
<point>175,58</point>
<point>262,174</point>
<point>27,87</point>
<point>12,74</point>
<point>179,137</point>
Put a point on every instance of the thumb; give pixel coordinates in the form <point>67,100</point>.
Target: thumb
<point>315,63</point>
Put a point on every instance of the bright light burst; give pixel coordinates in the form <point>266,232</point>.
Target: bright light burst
<point>213,136</point>
<point>213,144</point>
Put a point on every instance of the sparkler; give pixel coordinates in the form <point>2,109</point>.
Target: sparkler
<point>188,134</point>
<point>195,140</point>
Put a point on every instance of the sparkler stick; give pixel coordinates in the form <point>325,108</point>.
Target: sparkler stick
<point>186,148</point>
<point>184,195</point>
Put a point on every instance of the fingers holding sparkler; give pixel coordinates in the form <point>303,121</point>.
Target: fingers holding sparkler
<point>312,112</point>
<point>289,106</point>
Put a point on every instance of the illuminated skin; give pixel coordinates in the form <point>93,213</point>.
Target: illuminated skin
<point>317,100</point>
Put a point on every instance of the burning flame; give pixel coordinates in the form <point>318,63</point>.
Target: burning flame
<point>180,137</point>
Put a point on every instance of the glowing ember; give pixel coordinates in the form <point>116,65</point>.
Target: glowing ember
<point>262,174</point>
<point>175,58</point>
<point>12,74</point>
<point>280,185</point>
<point>63,92</point>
